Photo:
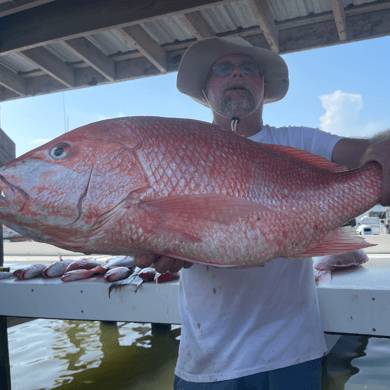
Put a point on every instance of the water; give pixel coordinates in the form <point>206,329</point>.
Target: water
<point>67,355</point>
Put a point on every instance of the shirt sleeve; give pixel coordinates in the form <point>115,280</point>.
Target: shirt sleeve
<point>309,139</point>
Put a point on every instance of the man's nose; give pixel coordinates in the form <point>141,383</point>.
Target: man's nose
<point>237,71</point>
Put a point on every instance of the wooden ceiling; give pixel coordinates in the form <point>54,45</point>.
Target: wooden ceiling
<point>29,29</point>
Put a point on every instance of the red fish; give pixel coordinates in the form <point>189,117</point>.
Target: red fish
<point>30,271</point>
<point>324,266</point>
<point>82,264</point>
<point>117,273</point>
<point>57,268</point>
<point>83,273</point>
<point>185,189</point>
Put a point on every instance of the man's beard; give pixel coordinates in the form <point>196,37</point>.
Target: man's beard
<point>231,108</point>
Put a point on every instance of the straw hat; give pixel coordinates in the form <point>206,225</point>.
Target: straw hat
<point>200,56</point>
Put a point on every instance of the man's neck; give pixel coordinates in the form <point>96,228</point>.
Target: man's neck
<point>246,127</point>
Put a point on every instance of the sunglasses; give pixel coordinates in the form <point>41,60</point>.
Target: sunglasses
<point>226,68</point>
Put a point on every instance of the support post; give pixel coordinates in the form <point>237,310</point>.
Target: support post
<point>5,373</point>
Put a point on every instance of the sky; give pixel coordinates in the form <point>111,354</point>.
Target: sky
<point>342,89</point>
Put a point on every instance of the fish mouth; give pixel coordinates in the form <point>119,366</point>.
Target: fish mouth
<point>11,196</point>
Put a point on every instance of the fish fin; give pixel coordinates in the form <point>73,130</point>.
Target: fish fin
<point>309,158</point>
<point>180,215</point>
<point>337,241</point>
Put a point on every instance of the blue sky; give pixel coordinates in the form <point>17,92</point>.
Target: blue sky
<point>342,89</point>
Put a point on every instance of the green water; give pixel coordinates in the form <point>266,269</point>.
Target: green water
<point>69,355</point>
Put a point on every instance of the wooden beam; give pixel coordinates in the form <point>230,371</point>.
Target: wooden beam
<point>197,25</point>
<point>266,22</point>
<point>12,81</point>
<point>62,20</point>
<point>302,35</point>
<point>89,53</point>
<point>51,64</point>
<point>14,6</point>
<point>146,45</point>
<point>340,19</point>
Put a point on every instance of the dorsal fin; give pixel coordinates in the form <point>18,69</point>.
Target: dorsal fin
<point>309,158</point>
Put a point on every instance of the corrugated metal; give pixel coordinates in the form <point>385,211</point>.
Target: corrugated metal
<point>111,42</point>
<point>167,30</point>
<point>17,63</point>
<point>62,52</point>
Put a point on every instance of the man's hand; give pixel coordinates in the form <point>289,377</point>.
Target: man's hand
<point>380,152</point>
<point>162,264</point>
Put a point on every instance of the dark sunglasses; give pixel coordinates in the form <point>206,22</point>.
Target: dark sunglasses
<point>226,68</point>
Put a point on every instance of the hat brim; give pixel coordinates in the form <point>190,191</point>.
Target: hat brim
<point>200,56</point>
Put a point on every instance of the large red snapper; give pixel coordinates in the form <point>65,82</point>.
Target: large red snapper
<point>183,188</point>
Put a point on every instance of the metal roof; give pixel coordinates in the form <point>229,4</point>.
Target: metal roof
<point>48,46</point>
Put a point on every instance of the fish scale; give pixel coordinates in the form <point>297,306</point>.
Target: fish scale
<point>186,189</point>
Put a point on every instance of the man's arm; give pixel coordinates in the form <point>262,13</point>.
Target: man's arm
<point>357,152</point>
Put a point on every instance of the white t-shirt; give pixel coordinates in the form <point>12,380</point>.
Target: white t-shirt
<point>239,322</point>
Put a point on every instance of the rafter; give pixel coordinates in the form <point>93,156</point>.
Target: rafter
<point>197,25</point>
<point>263,15</point>
<point>146,45</point>
<point>340,19</point>
<point>12,81</point>
<point>51,64</point>
<point>94,57</point>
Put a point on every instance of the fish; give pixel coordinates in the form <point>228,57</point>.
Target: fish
<point>5,275</point>
<point>120,261</point>
<point>29,272</point>
<point>185,189</point>
<point>324,266</point>
<point>82,264</point>
<point>117,273</point>
<point>167,277</point>
<point>57,268</point>
<point>78,274</point>
<point>147,274</point>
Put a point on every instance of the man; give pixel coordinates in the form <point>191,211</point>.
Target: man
<point>256,328</point>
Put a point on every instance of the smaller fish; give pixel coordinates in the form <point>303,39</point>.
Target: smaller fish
<point>5,275</point>
<point>57,268</point>
<point>147,274</point>
<point>325,265</point>
<point>120,261</point>
<point>117,273</point>
<point>82,264</point>
<point>29,272</point>
<point>167,277</point>
<point>83,273</point>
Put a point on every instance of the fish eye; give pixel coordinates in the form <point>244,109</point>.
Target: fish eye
<point>59,151</point>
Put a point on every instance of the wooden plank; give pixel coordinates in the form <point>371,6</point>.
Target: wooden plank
<point>51,64</point>
<point>197,25</point>
<point>14,6</point>
<point>89,53</point>
<point>57,21</point>
<point>12,81</point>
<point>266,22</point>
<point>146,45</point>
<point>301,37</point>
<point>340,19</point>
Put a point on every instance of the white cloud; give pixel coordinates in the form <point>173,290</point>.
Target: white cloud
<point>342,116</point>
<point>40,141</point>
